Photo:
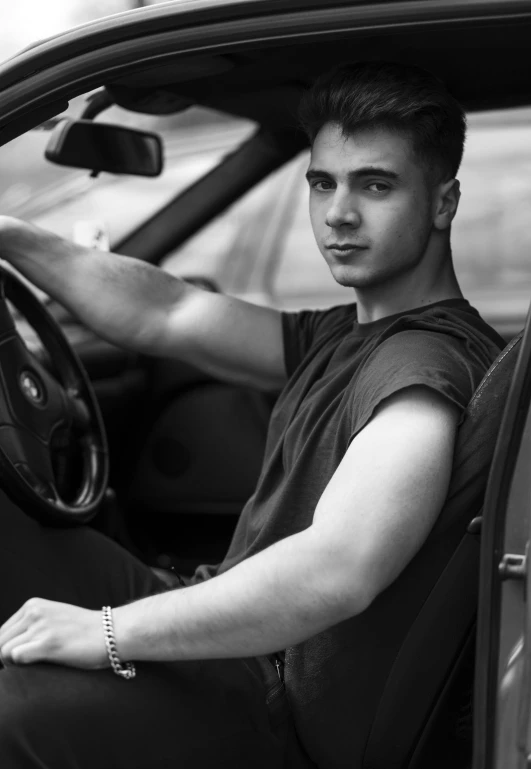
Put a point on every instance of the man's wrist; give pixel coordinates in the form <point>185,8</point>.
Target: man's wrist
<point>142,632</point>
<point>128,638</point>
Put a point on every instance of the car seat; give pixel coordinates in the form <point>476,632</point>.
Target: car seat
<point>424,714</point>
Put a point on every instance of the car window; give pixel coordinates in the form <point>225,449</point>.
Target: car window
<point>235,253</point>
<point>491,238</point>
<point>70,201</point>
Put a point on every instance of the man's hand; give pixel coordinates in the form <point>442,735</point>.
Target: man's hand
<point>48,631</point>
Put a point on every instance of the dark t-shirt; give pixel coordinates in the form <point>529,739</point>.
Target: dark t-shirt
<point>339,372</point>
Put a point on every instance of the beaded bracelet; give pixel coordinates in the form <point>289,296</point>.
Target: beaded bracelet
<point>128,671</point>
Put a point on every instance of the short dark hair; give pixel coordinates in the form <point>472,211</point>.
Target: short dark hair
<point>396,96</point>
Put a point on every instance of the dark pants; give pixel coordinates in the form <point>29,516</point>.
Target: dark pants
<point>182,715</point>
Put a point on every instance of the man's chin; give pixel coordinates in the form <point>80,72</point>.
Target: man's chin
<point>351,278</point>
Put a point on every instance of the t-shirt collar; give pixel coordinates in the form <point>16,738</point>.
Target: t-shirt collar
<point>366,329</point>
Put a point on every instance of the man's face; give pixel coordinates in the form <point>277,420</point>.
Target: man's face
<point>370,205</point>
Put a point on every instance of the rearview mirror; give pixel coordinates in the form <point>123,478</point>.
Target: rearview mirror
<point>105,147</point>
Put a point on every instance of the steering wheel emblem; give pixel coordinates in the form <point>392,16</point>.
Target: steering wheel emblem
<point>32,388</point>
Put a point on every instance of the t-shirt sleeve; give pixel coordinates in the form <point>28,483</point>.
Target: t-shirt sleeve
<point>302,329</point>
<point>412,358</point>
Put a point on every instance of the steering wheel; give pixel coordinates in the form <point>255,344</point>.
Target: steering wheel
<point>53,450</point>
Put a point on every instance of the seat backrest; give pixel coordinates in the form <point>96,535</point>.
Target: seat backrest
<point>477,435</point>
<point>404,731</point>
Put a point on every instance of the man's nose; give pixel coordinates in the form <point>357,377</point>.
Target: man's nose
<point>343,212</point>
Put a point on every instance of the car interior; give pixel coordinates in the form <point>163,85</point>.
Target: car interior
<point>182,451</point>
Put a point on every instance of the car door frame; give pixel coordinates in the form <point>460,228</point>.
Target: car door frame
<point>503,654</point>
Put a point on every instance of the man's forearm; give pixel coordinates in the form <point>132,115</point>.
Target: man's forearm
<point>275,599</point>
<point>120,298</point>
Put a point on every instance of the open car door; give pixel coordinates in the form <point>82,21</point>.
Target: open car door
<point>502,699</point>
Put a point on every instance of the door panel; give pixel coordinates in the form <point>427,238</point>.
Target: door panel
<point>514,642</point>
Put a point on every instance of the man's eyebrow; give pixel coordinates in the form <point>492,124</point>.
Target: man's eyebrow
<point>316,173</point>
<point>385,173</point>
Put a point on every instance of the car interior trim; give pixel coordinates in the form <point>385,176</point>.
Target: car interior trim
<point>116,28</point>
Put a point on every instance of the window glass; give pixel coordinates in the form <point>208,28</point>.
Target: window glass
<point>236,251</point>
<point>67,200</point>
<point>491,237</point>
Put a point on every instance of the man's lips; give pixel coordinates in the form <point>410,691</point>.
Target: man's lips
<point>345,248</point>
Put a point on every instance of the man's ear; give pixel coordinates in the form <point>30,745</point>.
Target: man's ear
<point>446,201</point>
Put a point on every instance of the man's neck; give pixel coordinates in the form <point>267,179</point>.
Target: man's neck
<point>408,292</point>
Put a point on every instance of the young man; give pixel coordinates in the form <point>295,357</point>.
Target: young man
<point>356,471</point>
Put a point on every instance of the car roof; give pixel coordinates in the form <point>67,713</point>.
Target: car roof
<point>254,57</point>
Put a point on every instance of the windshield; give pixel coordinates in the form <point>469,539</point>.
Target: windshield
<point>72,203</point>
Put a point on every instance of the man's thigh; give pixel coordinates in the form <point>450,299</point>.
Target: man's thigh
<point>206,713</point>
<point>190,714</point>
<point>75,565</point>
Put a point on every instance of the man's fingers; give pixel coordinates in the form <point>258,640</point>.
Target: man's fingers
<point>27,653</point>
<point>29,613</point>
<point>15,630</point>
<point>10,651</point>
<point>8,624</point>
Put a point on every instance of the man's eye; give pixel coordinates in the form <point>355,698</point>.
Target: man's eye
<point>378,187</point>
<point>322,185</point>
